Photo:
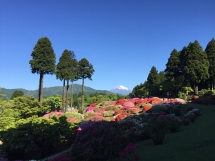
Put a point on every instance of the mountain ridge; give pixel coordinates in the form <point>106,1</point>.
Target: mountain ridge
<point>56,90</point>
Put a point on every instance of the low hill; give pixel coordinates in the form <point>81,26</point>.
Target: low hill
<point>50,91</point>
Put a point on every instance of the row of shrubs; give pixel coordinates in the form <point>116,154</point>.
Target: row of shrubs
<point>37,137</point>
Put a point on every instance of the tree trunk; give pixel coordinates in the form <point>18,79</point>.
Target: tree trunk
<point>82,95</point>
<point>67,88</point>
<point>72,95</point>
<point>196,89</point>
<point>212,84</point>
<point>63,96</point>
<point>40,95</point>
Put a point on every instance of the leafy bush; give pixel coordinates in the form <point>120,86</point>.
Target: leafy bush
<point>74,115</point>
<point>97,141</point>
<point>90,114</point>
<point>108,113</point>
<point>28,107</point>
<point>160,107</point>
<point>37,134</point>
<point>173,122</point>
<point>182,95</point>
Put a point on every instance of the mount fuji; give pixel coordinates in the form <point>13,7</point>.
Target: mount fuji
<point>121,90</point>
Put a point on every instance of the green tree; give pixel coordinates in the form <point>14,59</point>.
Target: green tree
<point>84,70</point>
<point>161,76</point>
<point>153,77</point>
<point>17,93</point>
<point>43,61</point>
<point>210,50</point>
<point>196,65</point>
<point>64,73</point>
<point>172,66</point>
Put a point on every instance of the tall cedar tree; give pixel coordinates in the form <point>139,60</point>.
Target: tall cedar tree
<point>43,61</point>
<point>64,73</point>
<point>153,77</point>
<point>172,66</point>
<point>210,50</point>
<point>196,65</point>
<point>74,73</point>
<point>85,70</point>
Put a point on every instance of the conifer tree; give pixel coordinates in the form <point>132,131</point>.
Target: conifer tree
<point>172,66</point>
<point>43,61</point>
<point>210,50</point>
<point>84,70</point>
<point>153,77</point>
<point>64,73</point>
<point>196,65</point>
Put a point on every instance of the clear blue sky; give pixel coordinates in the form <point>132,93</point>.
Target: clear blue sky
<point>122,39</point>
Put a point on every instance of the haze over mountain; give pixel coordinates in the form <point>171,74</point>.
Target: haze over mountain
<point>121,90</point>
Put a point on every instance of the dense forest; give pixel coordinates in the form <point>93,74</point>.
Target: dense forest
<point>189,71</point>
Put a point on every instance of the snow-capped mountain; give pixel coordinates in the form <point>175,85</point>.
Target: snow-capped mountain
<point>121,90</point>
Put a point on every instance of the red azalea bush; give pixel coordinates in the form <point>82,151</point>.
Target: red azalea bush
<point>55,113</point>
<point>120,102</point>
<point>128,103</point>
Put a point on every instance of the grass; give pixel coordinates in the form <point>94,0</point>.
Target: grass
<point>195,142</point>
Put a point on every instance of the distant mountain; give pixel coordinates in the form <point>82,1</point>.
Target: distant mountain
<point>50,91</point>
<point>120,90</point>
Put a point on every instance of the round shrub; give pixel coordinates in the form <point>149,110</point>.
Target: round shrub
<point>76,115</point>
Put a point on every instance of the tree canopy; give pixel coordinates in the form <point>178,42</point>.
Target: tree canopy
<point>84,70</point>
<point>197,64</point>
<point>17,93</point>
<point>153,77</point>
<point>43,61</point>
<point>210,50</point>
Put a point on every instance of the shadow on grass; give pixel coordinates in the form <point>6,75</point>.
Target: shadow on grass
<point>195,142</point>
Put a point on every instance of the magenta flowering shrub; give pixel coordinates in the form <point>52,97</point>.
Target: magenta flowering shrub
<point>90,108</point>
<point>55,113</point>
<point>73,119</point>
<point>97,141</point>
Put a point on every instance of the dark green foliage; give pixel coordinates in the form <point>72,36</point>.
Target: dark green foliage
<point>98,141</point>
<point>66,71</point>
<point>43,57</point>
<point>196,64</point>
<point>43,61</point>
<point>161,76</point>
<point>84,70</point>
<point>172,66</point>
<point>39,137</point>
<point>153,77</point>
<point>64,66</point>
<point>17,94</point>
<point>210,50</point>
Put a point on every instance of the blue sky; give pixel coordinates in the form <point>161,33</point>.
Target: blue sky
<point>122,39</point>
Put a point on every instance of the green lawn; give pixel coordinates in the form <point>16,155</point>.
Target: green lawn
<point>195,142</point>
